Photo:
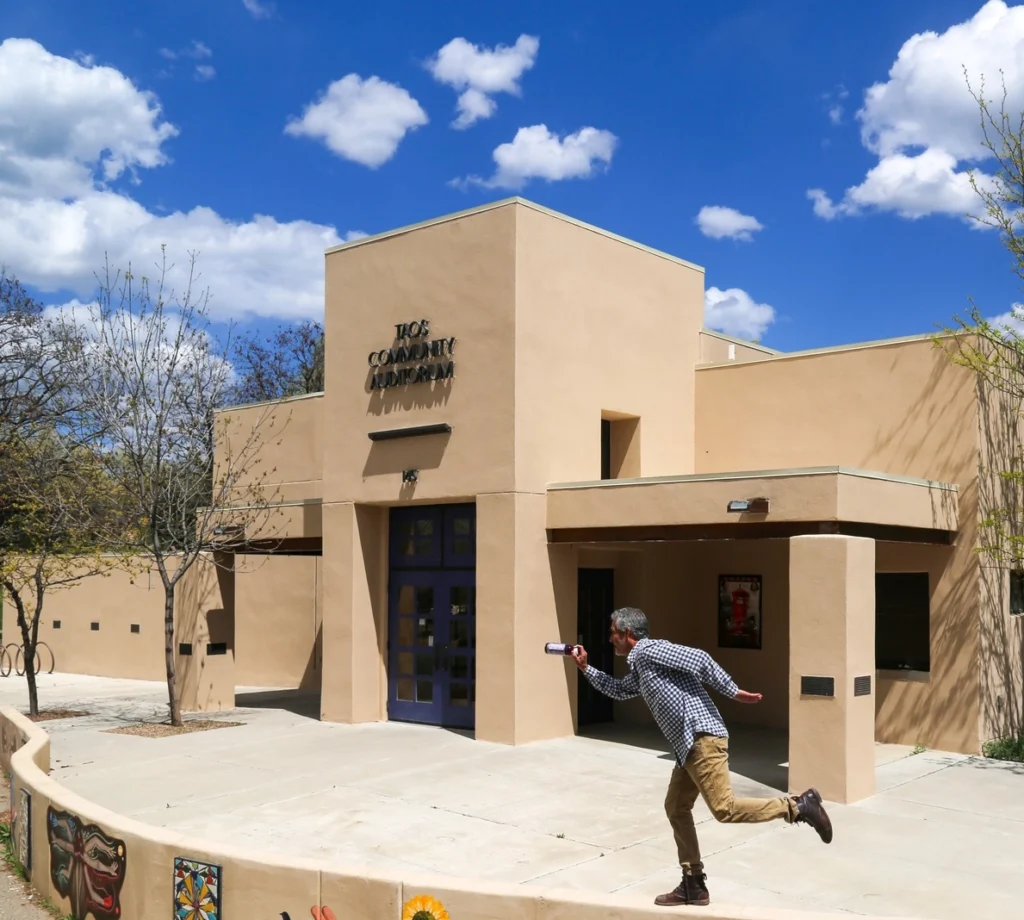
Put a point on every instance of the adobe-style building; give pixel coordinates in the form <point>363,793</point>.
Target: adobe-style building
<point>525,424</point>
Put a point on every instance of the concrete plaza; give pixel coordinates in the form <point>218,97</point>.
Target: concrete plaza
<point>582,812</point>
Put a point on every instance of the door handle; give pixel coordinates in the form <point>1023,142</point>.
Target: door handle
<point>444,658</point>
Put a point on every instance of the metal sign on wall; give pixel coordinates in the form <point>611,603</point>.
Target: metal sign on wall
<point>414,358</point>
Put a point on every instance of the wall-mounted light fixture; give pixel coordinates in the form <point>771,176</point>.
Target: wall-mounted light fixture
<point>748,506</point>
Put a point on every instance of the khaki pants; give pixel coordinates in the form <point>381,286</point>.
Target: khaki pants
<point>706,773</point>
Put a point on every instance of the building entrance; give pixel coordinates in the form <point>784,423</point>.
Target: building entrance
<point>432,615</point>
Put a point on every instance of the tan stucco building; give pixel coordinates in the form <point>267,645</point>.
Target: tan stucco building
<point>525,424</point>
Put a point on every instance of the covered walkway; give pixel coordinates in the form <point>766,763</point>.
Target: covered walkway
<point>785,563</point>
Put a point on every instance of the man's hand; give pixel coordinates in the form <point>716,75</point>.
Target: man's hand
<point>743,697</point>
<point>579,653</point>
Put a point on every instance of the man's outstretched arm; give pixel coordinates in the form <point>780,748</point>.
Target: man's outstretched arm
<point>697,662</point>
<point>624,689</point>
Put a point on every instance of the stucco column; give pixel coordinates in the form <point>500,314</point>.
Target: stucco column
<point>526,596</point>
<point>353,613</point>
<point>832,643</point>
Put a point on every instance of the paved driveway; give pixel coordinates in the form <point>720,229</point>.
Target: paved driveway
<point>944,834</point>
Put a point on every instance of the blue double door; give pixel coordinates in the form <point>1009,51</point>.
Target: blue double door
<point>432,615</point>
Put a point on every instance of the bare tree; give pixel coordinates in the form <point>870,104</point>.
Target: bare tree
<point>54,502</point>
<point>152,380</point>
<point>288,363</point>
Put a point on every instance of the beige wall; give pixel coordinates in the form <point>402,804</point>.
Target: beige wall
<point>277,622</point>
<point>900,408</point>
<point>600,326</point>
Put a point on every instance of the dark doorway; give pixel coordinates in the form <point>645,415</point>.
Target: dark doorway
<point>595,603</point>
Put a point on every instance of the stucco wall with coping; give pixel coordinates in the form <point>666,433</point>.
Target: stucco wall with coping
<point>255,884</point>
<point>290,435</point>
<point>716,348</point>
<point>902,408</point>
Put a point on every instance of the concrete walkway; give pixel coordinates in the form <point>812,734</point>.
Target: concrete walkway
<point>944,834</point>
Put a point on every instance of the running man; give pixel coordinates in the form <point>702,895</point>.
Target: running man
<point>671,680</point>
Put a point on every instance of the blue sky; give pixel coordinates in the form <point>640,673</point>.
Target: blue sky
<point>123,125</point>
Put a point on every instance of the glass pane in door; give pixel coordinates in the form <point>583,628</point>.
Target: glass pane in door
<point>461,649</point>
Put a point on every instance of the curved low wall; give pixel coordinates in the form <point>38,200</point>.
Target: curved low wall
<point>89,860</point>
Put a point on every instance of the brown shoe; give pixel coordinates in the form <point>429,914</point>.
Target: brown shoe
<point>810,811</point>
<point>690,891</point>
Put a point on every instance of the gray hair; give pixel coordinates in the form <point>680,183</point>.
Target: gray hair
<point>631,620</point>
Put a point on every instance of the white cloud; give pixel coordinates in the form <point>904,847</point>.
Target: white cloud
<point>1012,320</point>
<point>537,153</point>
<point>726,223</point>
<point>923,124</point>
<point>67,132</point>
<point>911,186</point>
<point>205,72</point>
<point>61,122</point>
<point>734,312</point>
<point>478,73</point>
<point>259,8</point>
<point>360,120</point>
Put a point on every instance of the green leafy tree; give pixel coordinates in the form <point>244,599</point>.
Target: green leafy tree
<point>55,503</point>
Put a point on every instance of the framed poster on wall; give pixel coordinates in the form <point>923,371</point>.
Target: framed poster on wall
<point>739,611</point>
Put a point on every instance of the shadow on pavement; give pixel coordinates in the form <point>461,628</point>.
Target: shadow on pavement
<point>755,753</point>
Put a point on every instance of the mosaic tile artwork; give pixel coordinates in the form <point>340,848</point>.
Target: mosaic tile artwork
<point>87,866</point>
<point>23,829</point>
<point>196,890</point>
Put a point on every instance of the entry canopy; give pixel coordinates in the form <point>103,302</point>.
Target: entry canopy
<point>754,505</point>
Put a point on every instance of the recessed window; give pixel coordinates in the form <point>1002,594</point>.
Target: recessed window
<point>1017,594</point>
<point>135,627</point>
<point>94,627</point>
<point>620,446</point>
<point>56,624</point>
<point>902,621</point>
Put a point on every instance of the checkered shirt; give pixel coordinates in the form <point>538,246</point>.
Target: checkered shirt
<point>671,680</point>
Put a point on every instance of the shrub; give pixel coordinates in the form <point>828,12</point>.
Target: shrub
<point>1011,748</point>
